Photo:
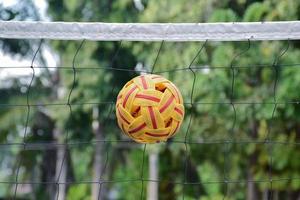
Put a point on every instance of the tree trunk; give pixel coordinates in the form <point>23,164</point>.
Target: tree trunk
<point>152,192</point>
<point>251,187</point>
<point>266,194</point>
<point>252,191</point>
<point>48,172</point>
<point>61,169</point>
<point>98,191</point>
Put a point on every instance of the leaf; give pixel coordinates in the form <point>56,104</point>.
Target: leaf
<point>223,15</point>
<point>255,12</point>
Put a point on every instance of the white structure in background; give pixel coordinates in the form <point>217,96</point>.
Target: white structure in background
<point>16,67</point>
<point>139,5</point>
<point>11,62</point>
<point>152,187</point>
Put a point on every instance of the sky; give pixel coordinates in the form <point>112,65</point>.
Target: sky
<point>17,61</point>
<point>41,4</point>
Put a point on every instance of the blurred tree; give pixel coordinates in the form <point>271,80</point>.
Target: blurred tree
<point>98,79</point>
<point>21,10</point>
<point>253,84</point>
<point>97,85</point>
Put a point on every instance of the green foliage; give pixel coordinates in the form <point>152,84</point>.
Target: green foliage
<point>96,81</point>
<point>255,12</point>
<point>21,10</point>
<point>208,172</point>
<point>223,15</point>
<point>79,192</point>
<point>129,169</point>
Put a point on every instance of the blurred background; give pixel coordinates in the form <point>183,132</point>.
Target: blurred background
<point>221,154</point>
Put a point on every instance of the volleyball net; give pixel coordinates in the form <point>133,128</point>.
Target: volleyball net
<point>240,135</point>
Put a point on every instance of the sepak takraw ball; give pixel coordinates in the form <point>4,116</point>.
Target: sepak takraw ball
<point>149,109</point>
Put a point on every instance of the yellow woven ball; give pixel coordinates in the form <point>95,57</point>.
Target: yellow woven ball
<point>149,109</point>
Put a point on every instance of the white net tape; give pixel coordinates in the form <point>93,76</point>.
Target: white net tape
<point>288,30</point>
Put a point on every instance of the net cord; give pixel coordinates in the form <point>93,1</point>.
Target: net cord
<point>234,31</point>
<point>187,142</point>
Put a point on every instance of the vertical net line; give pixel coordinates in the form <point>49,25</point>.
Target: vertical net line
<point>114,83</point>
<point>27,118</point>
<point>142,171</point>
<point>145,145</point>
<point>158,53</point>
<point>66,140</point>
<point>230,139</point>
<point>228,142</point>
<point>100,181</point>
<point>191,116</point>
<point>268,139</point>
